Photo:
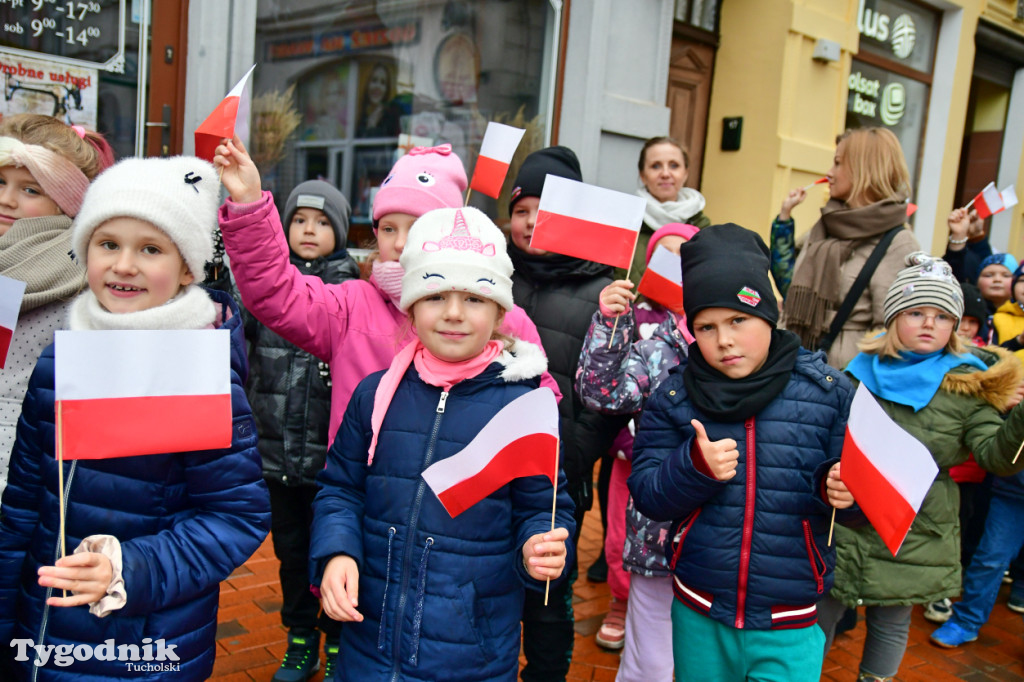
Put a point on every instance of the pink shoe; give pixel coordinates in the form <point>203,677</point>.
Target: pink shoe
<point>612,634</point>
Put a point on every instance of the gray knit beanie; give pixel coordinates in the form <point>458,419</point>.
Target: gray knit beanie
<point>325,197</point>
<point>928,281</point>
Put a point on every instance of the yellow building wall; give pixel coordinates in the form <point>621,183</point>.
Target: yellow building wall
<point>793,107</point>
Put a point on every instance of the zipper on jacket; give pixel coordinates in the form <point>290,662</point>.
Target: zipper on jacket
<point>396,661</point>
<point>681,536</point>
<point>811,551</point>
<point>56,555</point>
<point>748,525</point>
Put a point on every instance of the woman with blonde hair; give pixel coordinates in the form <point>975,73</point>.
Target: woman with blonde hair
<point>869,187</point>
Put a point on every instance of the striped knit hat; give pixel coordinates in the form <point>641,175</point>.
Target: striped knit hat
<point>928,281</point>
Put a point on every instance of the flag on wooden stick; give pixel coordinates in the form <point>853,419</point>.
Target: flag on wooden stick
<point>496,152</point>
<point>663,280</point>
<point>230,118</point>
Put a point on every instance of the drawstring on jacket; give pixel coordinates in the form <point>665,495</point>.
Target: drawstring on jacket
<point>384,603</point>
<point>417,619</point>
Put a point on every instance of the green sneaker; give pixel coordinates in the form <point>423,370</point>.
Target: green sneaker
<point>302,659</point>
<point>330,660</point>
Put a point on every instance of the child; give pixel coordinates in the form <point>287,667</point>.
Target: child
<point>560,294</point>
<point>617,376</point>
<point>994,277</point>
<point>45,168</point>
<point>439,598</point>
<point>741,447</point>
<point>949,397</point>
<point>971,329</point>
<point>152,536</point>
<point>1008,319</point>
<point>291,402</point>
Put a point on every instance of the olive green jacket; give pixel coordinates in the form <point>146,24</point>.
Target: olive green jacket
<point>964,417</point>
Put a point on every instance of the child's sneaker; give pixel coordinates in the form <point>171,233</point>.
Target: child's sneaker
<point>612,634</point>
<point>1016,603</point>
<point>301,659</point>
<point>939,611</point>
<point>951,635</point>
<point>330,660</point>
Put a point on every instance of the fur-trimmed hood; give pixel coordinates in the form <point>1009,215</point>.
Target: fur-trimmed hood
<point>524,360</point>
<point>996,385</point>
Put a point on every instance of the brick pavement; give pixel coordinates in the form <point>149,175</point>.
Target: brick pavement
<point>251,641</point>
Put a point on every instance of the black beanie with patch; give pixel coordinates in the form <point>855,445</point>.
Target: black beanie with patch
<point>726,266</point>
<point>560,161</point>
<point>325,197</point>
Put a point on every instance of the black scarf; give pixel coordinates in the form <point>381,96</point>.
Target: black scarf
<point>734,400</point>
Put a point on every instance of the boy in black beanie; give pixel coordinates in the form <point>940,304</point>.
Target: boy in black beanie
<point>560,294</point>
<point>740,446</point>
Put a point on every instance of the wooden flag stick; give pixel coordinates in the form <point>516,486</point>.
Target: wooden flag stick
<point>969,204</point>
<point>554,503</point>
<point>60,477</point>
<point>615,326</point>
<point>1018,452</point>
<point>831,526</point>
<point>469,192</point>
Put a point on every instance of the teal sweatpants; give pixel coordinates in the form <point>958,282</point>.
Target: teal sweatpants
<point>706,650</point>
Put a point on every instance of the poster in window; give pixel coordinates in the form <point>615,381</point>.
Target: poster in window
<point>36,86</point>
<point>457,69</point>
<point>379,112</point>
<point>323,103</point>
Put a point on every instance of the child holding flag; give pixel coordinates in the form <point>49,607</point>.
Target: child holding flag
<point>45,168</point>
<point>740,448</point>
<point>617,375</point>
<point>428,596</point>
<point>949,397</point>
<point>153,536</point>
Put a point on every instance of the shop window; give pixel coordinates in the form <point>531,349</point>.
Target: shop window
<point>891,75</point>
<point>374,77</point>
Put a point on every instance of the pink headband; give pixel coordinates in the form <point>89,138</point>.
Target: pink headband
<point>63,181</point>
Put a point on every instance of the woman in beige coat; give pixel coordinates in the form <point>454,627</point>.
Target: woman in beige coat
<point>869,186</point>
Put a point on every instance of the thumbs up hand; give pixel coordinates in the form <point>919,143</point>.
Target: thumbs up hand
<point>721,456</point>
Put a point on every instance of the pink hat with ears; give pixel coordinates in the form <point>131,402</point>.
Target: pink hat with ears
<point>424,179</point>
<point>684,230</point>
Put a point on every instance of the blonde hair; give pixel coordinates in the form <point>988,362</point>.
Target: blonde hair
<point>877,166</point>
<point>53,134</point>
<point>886,342</point>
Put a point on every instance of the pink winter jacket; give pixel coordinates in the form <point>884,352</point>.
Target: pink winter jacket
<point>352,325</point>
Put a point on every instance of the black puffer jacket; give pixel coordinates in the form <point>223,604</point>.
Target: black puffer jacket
<point>560,294</point>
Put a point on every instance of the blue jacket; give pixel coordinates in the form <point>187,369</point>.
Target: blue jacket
<point>450,590</point>
<point>185,521</point>
<point>751,552</point>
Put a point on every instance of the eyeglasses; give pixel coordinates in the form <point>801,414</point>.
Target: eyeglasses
<point>941,320</point>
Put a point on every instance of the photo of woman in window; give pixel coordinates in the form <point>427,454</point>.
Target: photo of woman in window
<point>379,115</point>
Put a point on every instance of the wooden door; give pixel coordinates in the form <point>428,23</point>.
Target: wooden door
<point>165,111</point>
<point>689,93</point>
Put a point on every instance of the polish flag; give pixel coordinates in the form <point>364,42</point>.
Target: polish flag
<point>663,280</point>
<point>126,393</point>
<point>988,202</point>
<point>888,471</point>
<point>520,440</point>
<point>588,222</point>
<point>1009,197</point>
<point>496,152</point>
<point>11,293</point>
<point>911,209</point>
<point>230,118</point>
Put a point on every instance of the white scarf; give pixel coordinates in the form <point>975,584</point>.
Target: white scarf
<point>689,202</point>
<point>191,309</point>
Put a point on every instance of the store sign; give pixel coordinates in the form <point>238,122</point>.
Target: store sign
<point>33,86</point>
<point>898,30</point>
<point>84,34</point>
<point>348,41</point>
<point>868,98</point>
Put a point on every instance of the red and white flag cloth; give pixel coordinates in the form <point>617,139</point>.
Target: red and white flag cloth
<point>988,202</point>
<point>11,293</point>
<point>663,280</point>
<point>588,222</point>
<point>520,440</point>
<point>230,118</point>
<point>126,393</point>
<point>496,152</point>
<point>888,471</point>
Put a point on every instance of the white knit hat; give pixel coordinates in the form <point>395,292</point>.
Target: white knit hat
<point>927,281</point>
<point>456,249</point>
<point>179,195</point>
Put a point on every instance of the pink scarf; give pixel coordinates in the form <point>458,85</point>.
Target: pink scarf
<point>432,370</point>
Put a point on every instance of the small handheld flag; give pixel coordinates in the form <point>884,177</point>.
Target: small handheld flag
<point>12,291</point>
<point>819,181</point>
<point>663,280</point>
<point>142,392</point>
<point>230,118</point>
<point>988,202</point>
<point>588,222</point>
<point>888,471</point>
<point>496,152</point>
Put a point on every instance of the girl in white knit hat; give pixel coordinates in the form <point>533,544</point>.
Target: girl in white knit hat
<point>428,596</point>
<point>151,536</point>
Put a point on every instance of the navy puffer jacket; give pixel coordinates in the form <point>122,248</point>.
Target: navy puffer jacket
<point>450,590</point>
<point>185,521</point>
<point>751,552</point>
